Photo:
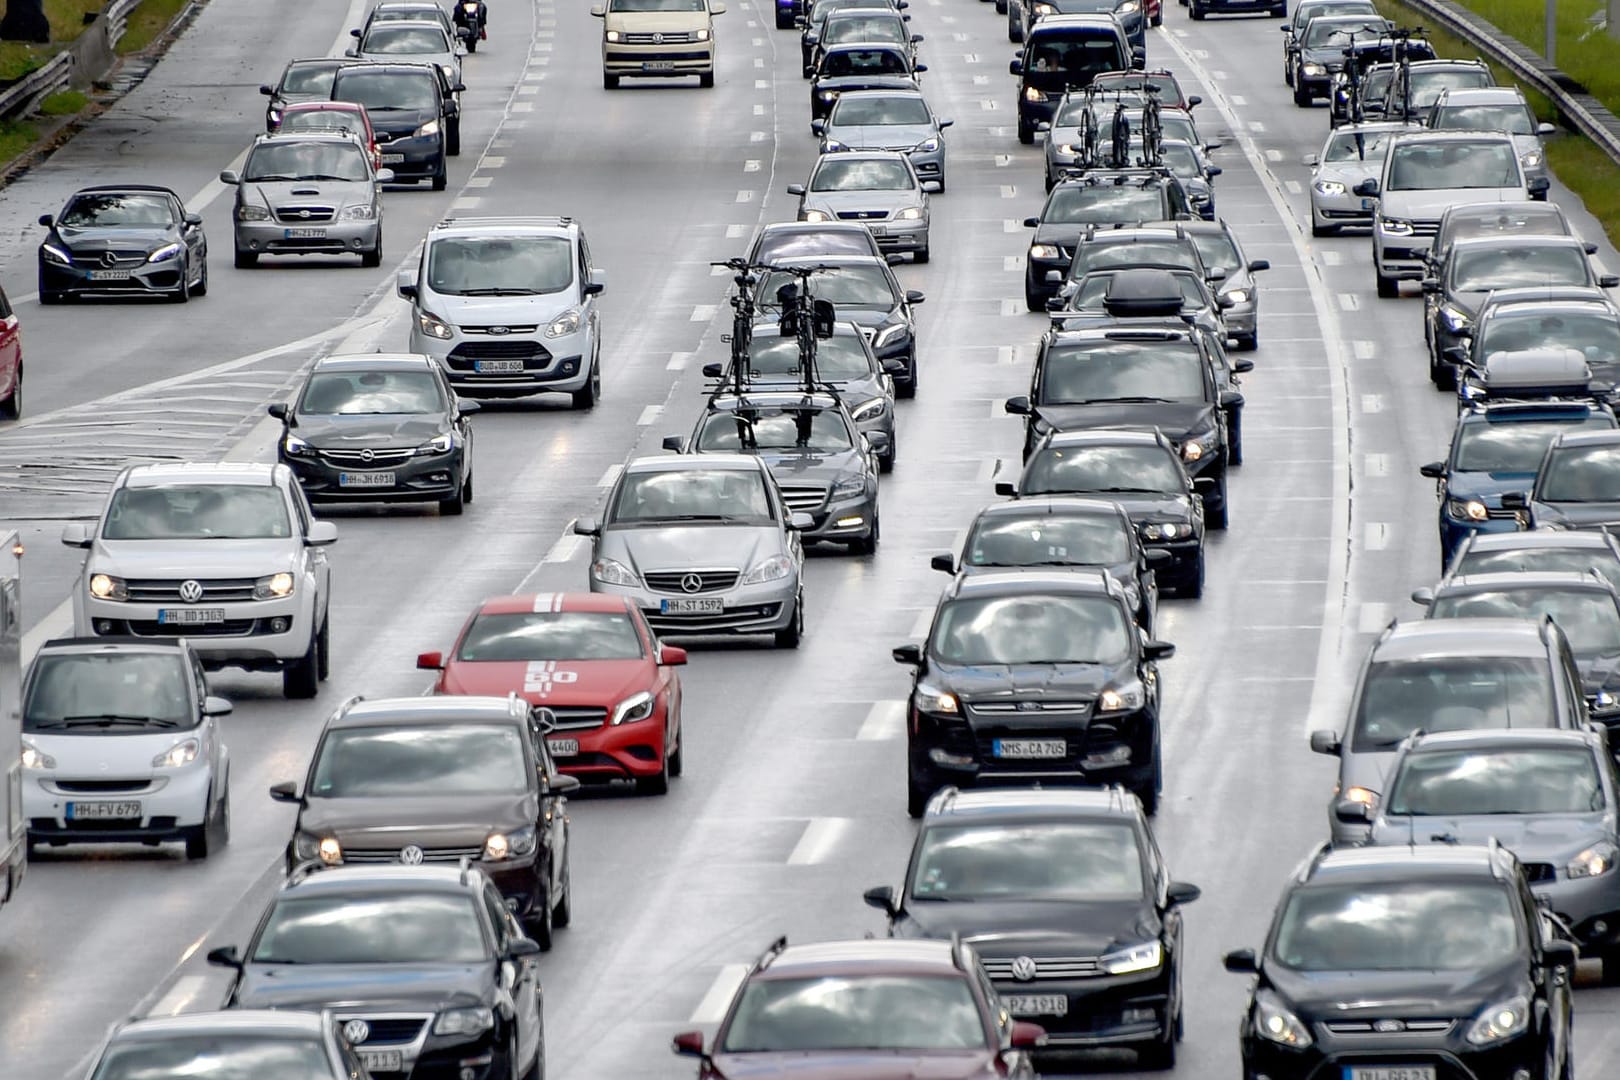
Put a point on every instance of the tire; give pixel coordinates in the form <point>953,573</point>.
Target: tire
<point>373,258</point>
<point>1442,374</point>
<point>245,260</point>
<point>784,19</point>
<point>47,298</point>
<point>301,679</point>
<point>562,913</point>
<point>182,292</point>
<point>921,255</point>
<point>1302,96</point>
<point>467,487</point>
<point>212,835</point>
<point>1288,74</point>
<point>201,288</point>
<point>1026,133</point>
<point>793,634</point>
<point>1249,342</point>
<point>1195,12</point>
<point>677,760</point>
<point>916,798</point>
<point>706,80</point>
<point>1001,7</point>
<point>452,139</point>
<point>1217,519</point>
<point>656,784</point>
<point>454,505</point>
<point>1157,20</point>
<point>1015,32</point>
<point>869,545</point>
<point>1388,287</point>
<point>1324,230</point>
<point>441,178</point>
<point>1193,587</point>
<point>886,463</point>
<point>907,387</point>
<point>1609,962</point>
<point>11,408</point>
<point>609,82</point>
<point>472,44</point>
<point>1033,300</point>
<point>588,395</point>
<point>323,651</point>
<point>540,925</point>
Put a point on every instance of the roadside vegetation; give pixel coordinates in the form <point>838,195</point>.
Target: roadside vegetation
<point>147,23</point>
<point>67,18</point>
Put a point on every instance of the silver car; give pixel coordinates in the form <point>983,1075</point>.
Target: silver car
<point>425,42</point>
<point>309,193</point>
<point>897,120</point>
<point>1232,277</point>
<point>876,187</point>
<point>1496,108</point>
<point>1352,153</point>
<point>703,545</point>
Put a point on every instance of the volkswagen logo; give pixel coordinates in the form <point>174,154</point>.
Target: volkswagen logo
<point>410,855</point>
<point>499,331</point>
<point>366,454</point>
<point>191,591</point>
<point>1388,1027</point>
<point>109,259</point>
<point>691,583</point>
<point>1023,969</point>
<point>658,39</point>
<point>356,1031</point>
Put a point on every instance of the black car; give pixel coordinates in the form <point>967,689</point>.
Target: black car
<point>1370,62</point>
<point>435,780</point>
<point>1304,12</point>
<point>865,291</point>
<point>413,114</point>
<point>379,428</point>
<point>123,240</point>
<point>1034,677</point>
<point>1458,974</point>
<point>1063,53</point>
<point>301,80</point>
<point>1319,52</point>
<point>1069,904</point>
<point>1577,486</point>
<point>860,66</point>
<point>1421,83</point>
<point>1063,531</point>
<point>1142,472</point>
<point>811,239</point>
<point>1115,247</point>
<point>1520,320</point>
<point>1098,198</point>
<point>1528,217</point>
<point>1199,9</point>
<point>1151,377</point>
<point>423,968</point>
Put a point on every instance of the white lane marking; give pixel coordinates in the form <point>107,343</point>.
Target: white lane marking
<point>523,106</point>
<point>1256,126</point>
<point>753,24</point>
<point>987,472</point>
<point>1012,262</point>
<point>712,1009</point>
<point>1293,187</point>
<point>1375,464</point>
<point>920,625</point>
<point>959,37</point>
<point>1009,191</point>
<point>480,181</point>
<point>987,104</point>
<point>1238,99</point>
<point>1332,258</point>
<point>981,80</point>
<point>756,136</point>
<point>759,110</point>
<point>758,42</point>
<point>820,837</point>
<point>1365,350</point>
<point>501,144</point>
<point>970,58</point>
<point>467,202</point>
<point>526,90</point>
<point>566,547</point>
<point>1349,301</point>
<point>1222,75</point>
<point>1012,225</point>
<point>1013,306</point>
<point>494,161</point>
<point>1372,618</point>
<point>759,61</point>
<point>1003,160</point>
<point>1273,155</point>
<point>704,312</point>
<point>762,84</point>
<point>181,994</point>
<point>751,165</point>
<point>734,232</point>
<point>678,361</point>
<point>746,195</point>
<point>1371,403</point>
<point>611,475</point>
<point>1377,536</point>
<point>649,415</point>
<point>884,720</point>
<point>1007,354</point>
<point>1203,54</point>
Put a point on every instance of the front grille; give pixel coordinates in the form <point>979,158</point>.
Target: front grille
<point>296,215</point>
<point>499,330</point>
<point>1080,706</point>
<point>429,854</point>
<point>708,581</point>
<point>1046,967</point>
<point>1535,872</point>
<point>575,717</point>
<point>99,787</point>
<point>804,498</point>
<point>530,352</point>
<point>99,258</point>
<point>1388,1027</point>
<point>161,591</point>
<point>1425,228</point>
<point>360,457</point>
<point>667,38</point>
<point>863,215</point>
<point>388,1030</point>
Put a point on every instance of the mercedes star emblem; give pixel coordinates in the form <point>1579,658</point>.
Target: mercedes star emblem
<point>410,855</point>
<point>356,1031</point>
<point>366,454</point>
<point>191,591</point>
<point>691,583</point>
<point>544,719</point>
<point>1023,969</point>
<point>109,259</point>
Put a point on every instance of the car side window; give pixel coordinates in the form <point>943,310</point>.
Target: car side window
<point>201,677</point>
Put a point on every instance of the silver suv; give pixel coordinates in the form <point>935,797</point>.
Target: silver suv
<point>310,193</point>
<point>508,306</point>
<point>228,555</point>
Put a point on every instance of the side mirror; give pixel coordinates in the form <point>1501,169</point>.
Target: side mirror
<point>46,220</point>
<point>467,406</point>
<point>1138,57</point>
<point>563,784</point>
<point>795,189</point>
<point>882,898</point>
<point>1310,159</point>
<point>452,108</point>
<point>916,39</point>
<point>1546,129</point>
<point>1257,265</point>
<point>279,410</point>
<point>915,296</point>
<point>217,706</point>
<point>894,366</point>
<point>76,535</point>
<point>907,654</point>
<point>1241,961</point>
<point>430,661</point>
<point>1015,68</point>
<point>1231,399</point>
<point>717,9</point>
<point>1007,489</point>
<point>385,176</point>
<point>1193,101</point>
<point>894,258</point>
<point>1538,185</point>
<point>355,33</point>
<point>1325,742</point>
<point>1559,953</point>
<point>267,90</point>
<point>945,564</point>
<point>1181,892</point>
<point>1515,500</point>
<point>1203,485</point>
<point>1242,366</point>
<point>320,534</point>
<point>1054,277</point>
<point>1158,650</point>
<point>1213,171</point>
<point>1367,188</point>
<point>518,948</point>
<point>225,956</point>
<point>286,792</point>
<point>1026,1036</point>
<point>800,522</point>
<point>711,371</point>
<point>920,68</point>
<point>405,284</point>
<point>1350,812</point>
<point>671,655</point>
<point>1016,406</point>
<point>877,442</point>
<point>587,527</point>
<point>1608,281</point>
<point>1044,126</point>
<point>226,176</point>
<point>1032,223</point>
<point>598,11</point>
<point>675,443</point>
<point>193,220</point>
<point>1434,470</point>
<point>943,124</point>
<point>1589,247</point>
<point>1423,596</point>
<point>818,127</point>
<point>689,1044</point>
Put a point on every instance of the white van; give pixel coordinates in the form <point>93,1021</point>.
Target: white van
<point>657,39</point>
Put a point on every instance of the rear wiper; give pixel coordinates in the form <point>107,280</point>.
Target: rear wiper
<point>108,719</point>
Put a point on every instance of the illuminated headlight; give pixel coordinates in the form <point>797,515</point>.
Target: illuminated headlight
<point>306,847</point>
<point>1595,861</point>
<point>613,572</point>
<point>275,116</point>
<point>433,326</point>
<point>1467,509</point>
<point>852,488</point>
<point>359,212</point>
<point>1500,1022</point>
<point>1167,530</point>
<point>1361,795</point>
<point>932,699</point>
<point>513,845</point>
<point>633,708</point>
<point>1123,698</point>
<point>829,95</point>
<point>1604,701</point>
<point>774,568</point>
<point>1144,957</point>
<point>107,587</point>
<point>910,213</point>
<point>700,35</point>
<point>273,587</point>
<point>1033,94</point>
<point>1198,447</point>
<point>439,444</point>
<point>1066,150</point>
<point>1044,251</point>
<point>35,758</point>
<point>1531,159</point>
<point>449,70</point>
<point>812,215</point>
<point>566,323</point>
<point>181,753</point>
<point>429,128</point>
<point>167,251</point>
<point>869,410</point>
<point>927,146</point>
<point>1238,296</point>
<point>613,37</point>
<point>293,445</point>
<point>1043,9</point>
<point>1330,187</point>
<point>1277,1024</point>
<point>55,254</point>
<point>329,850</point>
<point>249,212</point>
<point>464,1021</point>
<point>1454,318</point>
<point>1316,70</point>
<point>1395,226</point>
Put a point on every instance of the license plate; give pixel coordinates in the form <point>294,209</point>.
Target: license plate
<point>563,747</point>
<point>658,65</point>
<point>1389,1072</point>
<point>382,1061</point>
<point>303,234</point>
<point>393,159</point>
<point>497,367</point>
<point>692,605</point>
<point>365,479</point>
<point>190,616</point>
<point>1029,748</point>
<point>103,811</point>
<point>1036,1004</point>
<point>109,275</point>
<point>1369,204</point>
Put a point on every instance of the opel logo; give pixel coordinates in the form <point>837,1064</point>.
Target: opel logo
<point>109,259</point>
<point>691,583</point>
<point>357,1032</point>
<point>1023,969</point>
<point>366,454</point>
<point>191,591</point>
<point>658,39</point>
<point>1388,1027</point>
<point>410,855</point>
<point>498,331</point>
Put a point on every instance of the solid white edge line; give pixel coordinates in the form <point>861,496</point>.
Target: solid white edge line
<point>712,1009</point>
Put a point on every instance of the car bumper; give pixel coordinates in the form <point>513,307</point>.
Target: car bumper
<point>1110,1010</point>
<point>1314,85</point>
<point>658,61</point>
<point>1183,564</point>
<point>1341,209</point>
<point>328,238</point>
<point>416,479</point>
<point>474,364</point>
<point>844,520</point>
<point>1241,319</point>
<point>158,278</point>
<point>612,751</point>
<point>252,634</point>
<point>1451,1057</point>
<point>1401,255</point>
<point>171,801</point>
<point>1031,113</point>
<point>1035,277</point>
<point>746,609</point>
<point>950,750</point>
<point>416,157</point>
<point>1591,906</point>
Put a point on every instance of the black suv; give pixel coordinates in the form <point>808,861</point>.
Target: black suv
<point>413,113</point>
<point>1076,206</point>
<point>1069,903</point>
<point>1030,676</point>
<point>301,80</point>
<point>1459,975</point>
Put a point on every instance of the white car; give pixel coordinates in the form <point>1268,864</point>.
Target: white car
<point>230,555</point>
<point>121,744</point>
<point>1351,154</point>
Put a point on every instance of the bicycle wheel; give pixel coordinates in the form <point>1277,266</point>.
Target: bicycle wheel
<point>1121,140</point>
<point>1152,133</point>
<point>1088,139</point>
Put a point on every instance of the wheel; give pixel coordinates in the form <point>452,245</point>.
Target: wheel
<point>706,80</point>
<point>562,913</point>
<point>452,138</point>
<point>213,834</point>
<point>588,395</point>
<point>1158,17</point>
<point>1234,442</point>
<point>609,82</point>
<point>1026,133</point>
<point>472,44</point>
<point>1442,374</point>
<point>1302,96</point>
<point>1388,287</point>
<point>1001,7</point>
<point>1033,299</point>
<point>182,292</point>
<point>886,462</point>
<point>245,260</point>
<point>1216,519</point>
<point>467,488</point>
<point>916,798</point>
<point>201,288</point>
<point>539,924</point>
<point>677,761</point>
<point>1015,32</point>
<point>1288,73</point>
<point>455,504</point>
<point>323,651</point>
<point>941,190</point>
<point>907,387</point>
<point>301,678</point>
<point>1324,230</point>
<point>657,784</point>
<point>1249,342</point>
<point>441,178</point>
<point>790,636</point>
<point>922,254</point>
<point>374,256</point>
<point>1193,587</point>
<point>11,408</point>
<point>869,545</point>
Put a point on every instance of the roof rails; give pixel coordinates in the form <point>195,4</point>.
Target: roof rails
<point>547,220</point>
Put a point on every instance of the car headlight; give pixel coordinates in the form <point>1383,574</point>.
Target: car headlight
<point>1198,447</point>
<point>1467,509</point>
<point>1032,94</point>
<point>181,753</point>
<point>433,326</point>
<point>1166,530</point>
<point>1143,957</point>
<point>1361,795</point>
<point>54,254</point>
<point>329,850</point>
<point>832,146</point>
<point>1395,226</point>
<point>1531,159</point>
<point>35,758</point>
<point>429,128</point>
<point>464,1021</point>
<point>910,213</point>
<point>359,212</point>
<point>1042,9</point>
<point>1595,861</point>
<point>250,212</point>
<point>273,587</point>
<point>1454,318</point>
<point>851,488</point>
<point>637,706</point>
<point>1500,1022</point>
<point>449,70</point>
<point>1044,251</point>
<point>566,323</point>
<point>1122,698</point>
<point>306,847</point>
<point>612,37</point>
<point>1277,1024</point>
<point>927,146</point>
<point>1129,7</point>
<point>1603,700</point>
<point>613,572</point>
<point>869,410</point>
<point>1066,150</point>
<point>889,335</point>
<point>700,35</point>
<point>167,251</point>
<point>931,698</point>
<point>1315,70</point>
<point>1238,296</point>
<point>1330,187</point>
<point>295,446</point>
<point>774,568</point>
<point>829,95</point>
<point>812,215</point>
<point>512,845</point>
<point>439,444</point>
<point>107,587</point>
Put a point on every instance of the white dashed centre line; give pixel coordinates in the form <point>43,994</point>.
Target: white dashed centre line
<point>970,58</point>
<point>1238,99</point>
<point>1349,301</point>
<point>1009,191</point>
<point>756,136</point>
<point>467,202</point>
<point>611,475</point>
<point>1375,464</point>
<point>480,181</point>
<point>751,165</point>
<point>1012,262</point>
<point>649,415</point>
<point>566,547</point>
<point>884,720</point>
<point>494,161</point>
<point>1007,354</point>
<point>987,104</point>
<point>734,231</point>
<point>1013,306</point>
<point>1332,258</point>
<point>523,106</point>
<point>759,61</point>
<point>762,84</point>
<point>1372,403</point>
<point>1273,155</point>
<point>1012,225</point>
<point>704,312</point>
<point>981,80</point>
<point>759,110</point>
<point>919,626</point>
<point>1365,350</point>
<point>678,361</point>
<point>745,195</point>
<point>1293,187</point>
<point>1256,126</point>
<point>820,837</point>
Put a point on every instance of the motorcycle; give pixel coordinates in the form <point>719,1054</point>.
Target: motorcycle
<point>472,17</point>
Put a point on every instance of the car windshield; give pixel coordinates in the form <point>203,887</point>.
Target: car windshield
<point>442,761</point>
<point>87,690</point>
<point>1485,268</point>
<point>1375,87</point>
<point>1099,469</point>
<point>799,245</point>
<point>385,928</point>
<point>842,356</point>
<point>112,210</point>
<point>1049,860</point>
<point>1093,291</point>
<point>863,286</point>
<point>1111,370</point>
<point>1104,204</point>
<point>1513,118</point>
<point>217,1056</point>
<point>1077,60</point>
<point>308,78</point>
<point>1370,146</point>
<point>321,120</point>
<point>405,39</point>
<point>855,1012</point>
<point>1308,11</point>
<point>1167,252</point>
<point>1575,474</point>
<point>1179,158</point>
<point>869,28</point>
<point>731,495</point>
<point>371,393</point>
<point>1500,780</point>
<point>841,62</point>
<point>197,512</point>
<point>1595,335</point>
<point>403,91</point>
<point>760,428</point>
<point>500,265</point>
<point>1416,926</point>
<point>1050,540</point>
<point>839,173</point>
<point>1031,629</point>
<point>1325,32</point>
<point>1435,166</point>
<point>1451,693</point>
<point>328,159</point>
<point>868,111</point>
<point>1427,85</point>
<point>1515,446</point>
<point>534,636</point>
<point>1576,560</point>
<point>1588,617</point>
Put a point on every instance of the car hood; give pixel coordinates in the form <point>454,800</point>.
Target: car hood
<point>115,753</point>
<point>1545,838</point>
<point>537,310</point>
<point>682,547</point>
<point>810,466</point>
<point>398,123</point>
<point>442,59</point>
<point>898,136</point>
<point>1329,56</point>
<point>1430,204</point>
<point>1035,928</point>
<point>1488,487</point>
<point>408,986</point>
<point>844,83</point>
<point>649,22</point>
<point>858,1065</point>
<point>1175,418</point>
<point>1351,173</point>
<point>1409,995</point>
<point>192,558</point>
<point>376,432</point>
<point>1024,682</point>
<point>1139,506</point>
<point>853,201</point>
<point>1582,515</point>
<point>338,193</point>
<point>126,238</point>
<point>428,822</point>
<point>595,682</point>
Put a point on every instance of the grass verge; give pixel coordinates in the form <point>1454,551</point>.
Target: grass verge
<point>63,103</point>
<point>147,23</point>
<point>1582,51</point>
<point>67,18</point>
<point>16,136</point>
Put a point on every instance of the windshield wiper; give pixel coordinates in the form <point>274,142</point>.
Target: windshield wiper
<point>1120,490</point>
<point>497,292</point>
<point>329,176</point>
<point>107,719</point>
<point>273,178</point>
<point>697,517</point>
<point>1142,397</point>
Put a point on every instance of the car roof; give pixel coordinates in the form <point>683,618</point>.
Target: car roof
<point>863,956</point>
<point>1582,299</point>
<point>157,474</point>
<point>1446,62</point>
<point>1433,135</point>
<point>774,228</point>
<point>693,463</point>
<point>1503,738</point>
<point>1563,580</point>
<point>323,105</point>
<point>390,876</point>
<point>1106,437</point>
<point>527,603</point>
<point>860,95</point>
<point>1503,209</point>
<point>373,361</point>
<point>1034,582</point>
<point>152,188</point>
<point>1434,638</point>
<point>773,399</point>
<point>1588,438</point>
<point>391,67</point>
<point>505,226</point>
<point>426,710</point>
<point>1053,505</point>
<point>410,23</point>
<point>866,46</point>
<point>243,1021</point>
<point>953,804</point>
<point>1498,411</point>
<point>1488,95</point>
<point>1374,126</point>
<point>834,261</point>
<point>315,135</point>
<point>863,155</point>
<point>333,61</point>
<point>108,644</point>
<point>1169,330</point>
<point>1404,861</point>
<point>1540,538</point>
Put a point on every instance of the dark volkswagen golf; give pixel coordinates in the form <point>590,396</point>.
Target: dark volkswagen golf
<point>123,240</point>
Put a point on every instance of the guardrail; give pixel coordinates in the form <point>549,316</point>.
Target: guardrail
<point>117,16</point>
<point>60,69</point>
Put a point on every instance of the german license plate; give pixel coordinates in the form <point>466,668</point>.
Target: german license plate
<point>563,747</point>
<point>497,367</point>
<point>1389,1072</point>
<point>393,159</point>
<point>365,479</point>
<point>1036,1004</point>
<point>658,65</point>
<point>103,811</point>
<point>190,616</point>
<point>382,1061</point>
<point>109,275</point>
<point>1368,204</point>
<point>303,234</point>
<point>692,605</point>
<point>1029,748</point>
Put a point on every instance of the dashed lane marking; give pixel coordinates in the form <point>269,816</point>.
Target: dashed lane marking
<point>568,545</point>
<point>1364,350</point>
<point>611,475</point>
<point>704,312</point>
<point>820,838</point>
<point>649,415</point>
<point>678,361</point>
<point>712,1009</point>
<point>884,720</point>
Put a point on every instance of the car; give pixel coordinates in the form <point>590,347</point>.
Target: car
<point>508,307</point>
<point>1188,164</point>
<point>235,1042</point>
<point>347,116</point>
<point>1496,448</point>
<point>1022,14</point>
<point>314,193</point>
<point>1554,374</point>
<point>1065,894</point>
<point>1114,297</point>
<point>866,292</point>
<point>1303,13</point>
<point>378,427</point>
<point>1318,50</point>
<point>606,691</point>
<point>1201,9</point>
<point>831,1007</point>
<point>1064,54</point>
<point>811,239</point>
<point>819,11</point>
<point>301,80</point>
<point>1160,82</point>
<point>230,553</point>
<point>637,36</point>
<point>1232,277</point>
<point>408,11</point>
<point>1424,174</point>
<point>824,466</point>
<point>1353,153</point>
<point>1577,485</point>
<point>1495,108</point>
<point>1512,321</point>
<point>121,744</point>
<point>1446,675</point>
<point>123,240</point>
<point>1096,198</point>
<point>857,24</point>
<point>438,780</point>
<point>1165,245</point>
<point>425,962</point>
<point>1419,85</point>
<point>857,65</point>
<point>1029,676</point>
<point>1064,136</point>
<point>878,187</point>
<point>1543,550</point>
<point>414,114</point>
<point>702,544</point>
<point>1470,219</point>
<point>11,361</point>
<point>1143,474</point>
<point>888,119</point>
<point>424,42</point>
<point>1459,973</point>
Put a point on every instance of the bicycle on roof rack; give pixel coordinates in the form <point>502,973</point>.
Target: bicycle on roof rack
<point>802,317</point>
<point>1149,130</point>
<point>1403,38</point>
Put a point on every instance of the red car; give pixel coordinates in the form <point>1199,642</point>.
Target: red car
<point>332,116</point>
<point>10,362</point>
<point>598,678</point>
